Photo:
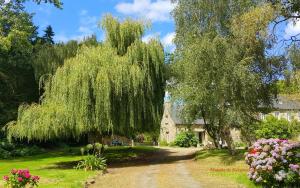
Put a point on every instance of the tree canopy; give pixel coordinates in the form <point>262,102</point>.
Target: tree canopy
<point>17,33</point>
<point>221,69</point>
<point>116,87</point>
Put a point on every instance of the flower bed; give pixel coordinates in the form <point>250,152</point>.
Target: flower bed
<point>21,178</point>
<point>274,162</point>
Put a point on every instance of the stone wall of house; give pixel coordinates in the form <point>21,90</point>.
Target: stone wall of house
<point>287,114</point>
<point>236,135</point>
<point>168,127</point>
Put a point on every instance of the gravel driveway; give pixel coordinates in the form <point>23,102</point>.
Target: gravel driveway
<point>166,168</point>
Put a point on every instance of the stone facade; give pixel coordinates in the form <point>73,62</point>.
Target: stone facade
<point>172,124</point>
<point>170,127</point>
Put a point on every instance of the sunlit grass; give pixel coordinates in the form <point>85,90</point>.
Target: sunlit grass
<point>219,169</point>
<point>55,167</point>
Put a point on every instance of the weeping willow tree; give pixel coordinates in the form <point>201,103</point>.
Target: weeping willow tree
<point>116,87</point>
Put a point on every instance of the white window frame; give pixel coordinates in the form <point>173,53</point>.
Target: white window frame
<point>262,116</point>
<point>289,116</point>
<point>276,114</point>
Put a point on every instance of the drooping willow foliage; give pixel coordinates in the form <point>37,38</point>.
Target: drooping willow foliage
<point>105,89</point>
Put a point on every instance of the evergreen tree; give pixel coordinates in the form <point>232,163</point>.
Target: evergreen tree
<point>48,36</point>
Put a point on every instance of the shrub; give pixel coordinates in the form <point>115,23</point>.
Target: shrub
<point>172,144</point>
<point>93,149</point>
<point>274,163</point>
<point>9,150</point>
<point>20,179</point>
<point>92,162</point>
<point>240,144</point>
<point>186,139</point>
<point>163,143</point>
<point>276,128</point>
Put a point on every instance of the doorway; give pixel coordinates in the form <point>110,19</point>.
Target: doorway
<point>200,137</point>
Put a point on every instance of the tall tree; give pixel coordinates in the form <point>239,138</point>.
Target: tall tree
<point>222,72</point>
<point>48,36</point>
<point>116,87</point>
<point>17,34</point>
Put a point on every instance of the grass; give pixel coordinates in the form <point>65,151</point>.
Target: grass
<point>218,168</point>
<point>55,167</point>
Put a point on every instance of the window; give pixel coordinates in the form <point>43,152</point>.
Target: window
<point>277,115</point>
<point>289,117</point>
<point>262,116</point>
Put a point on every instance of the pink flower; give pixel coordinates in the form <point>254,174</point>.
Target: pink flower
<point>14,171</point>
<point>27,175</point>
<point>5,178</point>
<point>20,179</point>
<point>20,172</point>
<point>35,178</point>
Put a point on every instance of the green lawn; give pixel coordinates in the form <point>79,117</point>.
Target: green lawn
<point>220,168</point>
<point>55,167</point>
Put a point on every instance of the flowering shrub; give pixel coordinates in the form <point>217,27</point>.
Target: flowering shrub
<point>21,178</point>
<point>274,163</point>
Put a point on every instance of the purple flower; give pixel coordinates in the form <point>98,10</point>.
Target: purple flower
<point>294,167</point>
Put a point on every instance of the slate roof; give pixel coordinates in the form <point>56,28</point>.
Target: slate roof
<point>175,115</point>
<point>283,103</point>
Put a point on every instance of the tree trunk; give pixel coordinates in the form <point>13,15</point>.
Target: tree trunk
<point>216,143</point>
<point>94,137</point>
<point>227,137</point>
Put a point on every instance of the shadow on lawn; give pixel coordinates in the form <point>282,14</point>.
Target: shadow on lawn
<point>130,157</point>
<point>161,156</point>
<point>63,165</point>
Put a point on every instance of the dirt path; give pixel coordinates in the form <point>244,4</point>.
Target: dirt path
<point>165,169</point>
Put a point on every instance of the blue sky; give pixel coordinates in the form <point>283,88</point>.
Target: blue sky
<point>80,18</point>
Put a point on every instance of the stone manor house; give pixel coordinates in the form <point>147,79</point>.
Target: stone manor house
<point>172,123</point>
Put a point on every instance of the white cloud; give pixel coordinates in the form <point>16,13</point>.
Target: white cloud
<point>148,37</point>
<point>157,10</point>
<point>292,29</point>
<point>87,27</point>
<point>83,12</point>
<point>167,40</point>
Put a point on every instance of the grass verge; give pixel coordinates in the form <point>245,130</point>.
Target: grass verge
<point>217,168</point>
<point>55,167</point>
